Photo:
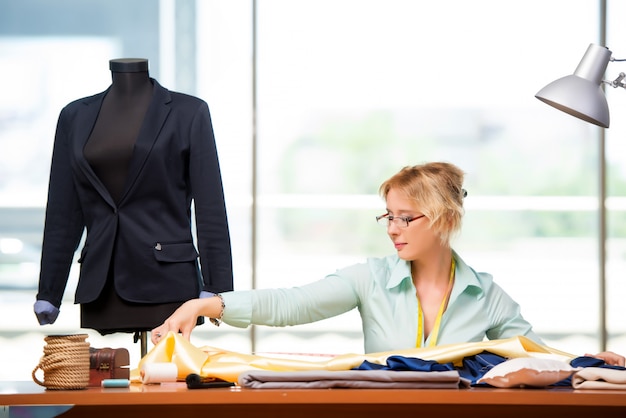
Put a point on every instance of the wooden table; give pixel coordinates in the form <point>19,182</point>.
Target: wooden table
<point>175,400</point>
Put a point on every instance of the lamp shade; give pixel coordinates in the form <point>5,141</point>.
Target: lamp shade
<point>580,94</point>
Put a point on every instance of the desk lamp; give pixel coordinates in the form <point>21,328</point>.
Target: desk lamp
<point>581,94</point>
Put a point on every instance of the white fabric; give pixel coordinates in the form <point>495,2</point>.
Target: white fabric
<point>599,378</point>
<point>527,371</point>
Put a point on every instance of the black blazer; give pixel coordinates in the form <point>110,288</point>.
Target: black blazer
<point>147,237</point>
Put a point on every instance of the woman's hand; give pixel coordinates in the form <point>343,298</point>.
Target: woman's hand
<point>184,319</point>
<point>609,358</point>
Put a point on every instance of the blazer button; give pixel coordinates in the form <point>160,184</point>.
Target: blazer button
<point>157,246</point>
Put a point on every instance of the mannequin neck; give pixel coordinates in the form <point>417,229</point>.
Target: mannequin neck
<point>130,83</point>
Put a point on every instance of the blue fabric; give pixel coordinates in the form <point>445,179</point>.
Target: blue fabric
<point>401,363</point>
<point>473,368</point>
<point>585,361</point>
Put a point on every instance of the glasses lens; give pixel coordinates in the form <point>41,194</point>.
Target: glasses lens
<point>400,222</point>
<point>385,220</point>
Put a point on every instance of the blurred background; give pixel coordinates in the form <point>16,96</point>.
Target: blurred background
<point>314,104</point>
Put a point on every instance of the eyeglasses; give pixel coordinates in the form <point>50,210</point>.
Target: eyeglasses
<point>399,221</point>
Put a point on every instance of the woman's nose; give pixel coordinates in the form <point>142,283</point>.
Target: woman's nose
<point>392,228</point>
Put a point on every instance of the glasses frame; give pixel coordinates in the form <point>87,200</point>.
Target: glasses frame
<point>391,219</point>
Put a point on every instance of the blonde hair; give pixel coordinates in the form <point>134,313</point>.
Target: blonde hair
<point>437,189</point>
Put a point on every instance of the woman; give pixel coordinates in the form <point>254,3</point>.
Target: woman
<point>423,295</point>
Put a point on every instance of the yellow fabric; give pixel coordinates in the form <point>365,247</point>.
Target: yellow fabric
<point>211,362</point>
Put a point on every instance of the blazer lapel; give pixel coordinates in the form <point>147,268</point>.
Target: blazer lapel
<point>84,125</point>
<point>155,117</point>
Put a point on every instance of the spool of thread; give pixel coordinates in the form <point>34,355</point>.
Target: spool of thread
<point>158,373</point>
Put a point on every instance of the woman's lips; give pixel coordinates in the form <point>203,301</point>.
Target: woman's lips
<point>399,245</point>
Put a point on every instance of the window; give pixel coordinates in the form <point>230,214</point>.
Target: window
<point>314,104</point>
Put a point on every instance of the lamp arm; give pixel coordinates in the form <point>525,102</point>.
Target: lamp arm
<point>618,82</point>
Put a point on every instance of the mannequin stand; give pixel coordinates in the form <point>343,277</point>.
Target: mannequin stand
<point>142,337</point>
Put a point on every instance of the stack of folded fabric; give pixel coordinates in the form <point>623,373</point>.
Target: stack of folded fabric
<point>453,365</point>
<point>599,378</point>
<point>355,379</point>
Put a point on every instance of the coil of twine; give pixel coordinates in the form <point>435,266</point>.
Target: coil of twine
<point>65,362</point>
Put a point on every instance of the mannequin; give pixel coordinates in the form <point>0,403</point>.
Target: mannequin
<point>126,165</point>
<point>109,150</point>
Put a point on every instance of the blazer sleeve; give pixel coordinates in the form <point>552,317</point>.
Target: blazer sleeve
<point>64,223</point>
<point>213,235</point>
